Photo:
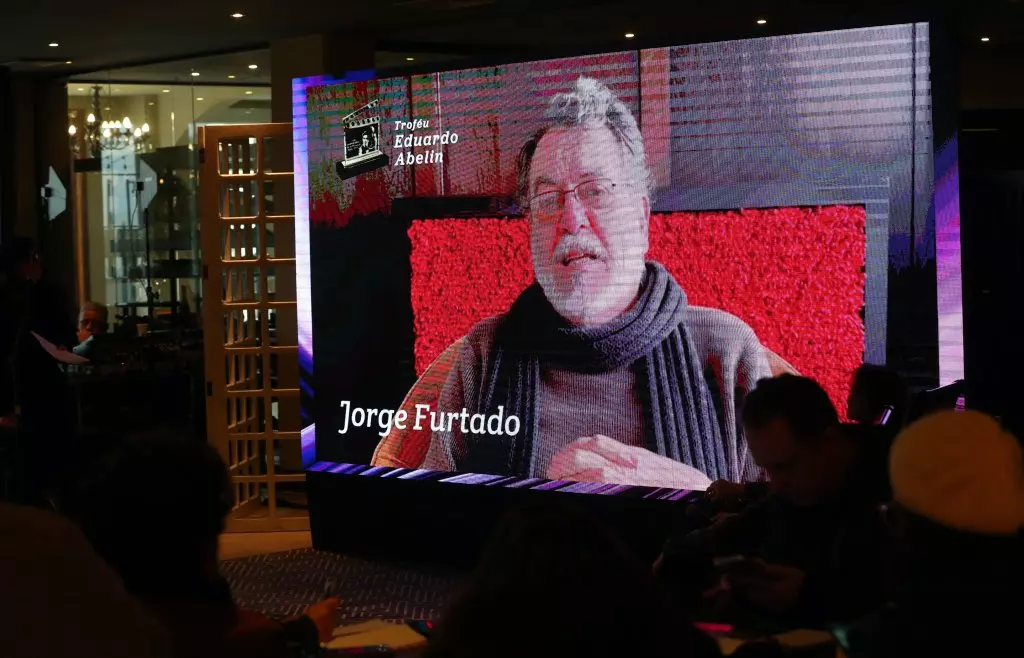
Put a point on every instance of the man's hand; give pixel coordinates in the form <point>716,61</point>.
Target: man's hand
<point>775,588</point>
<point>722,517</point>
<point>322,614</point>
<point>602,459</point>
<point>726,494</point>
<point>717,600</point>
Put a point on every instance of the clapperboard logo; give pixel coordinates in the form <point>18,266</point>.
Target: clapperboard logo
<point>362,142</point>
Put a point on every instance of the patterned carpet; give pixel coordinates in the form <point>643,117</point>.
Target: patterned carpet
<point>284,584</point>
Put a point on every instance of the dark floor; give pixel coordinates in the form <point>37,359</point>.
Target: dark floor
<point>284,584</point>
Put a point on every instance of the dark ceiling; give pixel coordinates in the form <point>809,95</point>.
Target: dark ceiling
<point>109,35</point>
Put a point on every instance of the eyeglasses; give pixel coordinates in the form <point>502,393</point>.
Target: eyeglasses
<point>596,195</point>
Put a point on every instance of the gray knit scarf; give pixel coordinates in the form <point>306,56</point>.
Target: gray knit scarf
<point>681,421</point>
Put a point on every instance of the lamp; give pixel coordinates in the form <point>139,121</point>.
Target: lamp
<point>115,135</point>
<point>72,141</point>
<point>101,134</point>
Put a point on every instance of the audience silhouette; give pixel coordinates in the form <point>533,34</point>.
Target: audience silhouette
<point>902,547</point>
<point>553,583</point>
<point>155,513</point>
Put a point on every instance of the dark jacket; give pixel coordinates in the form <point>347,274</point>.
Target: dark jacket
<point>27,372</point>
<point>206,622</point>
<point>33,379</point>
<point>985,629</point>
<point>953,594</point>
<point>839,545</point>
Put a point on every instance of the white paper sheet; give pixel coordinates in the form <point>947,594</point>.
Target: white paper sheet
<point>64,356</point>
<point>395,636</point>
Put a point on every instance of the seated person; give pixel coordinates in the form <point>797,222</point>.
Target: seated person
<point>160,533</point>
<point>612,374</point>
<point>957,518</point>
<point>816,539</point>
<point>535,591</point>
<point>875,388</point>
<point>60,599</point>
<point>92,322</point>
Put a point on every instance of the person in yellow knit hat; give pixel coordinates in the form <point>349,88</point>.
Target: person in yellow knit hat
<point>956,517</point>
<point>961,471</point>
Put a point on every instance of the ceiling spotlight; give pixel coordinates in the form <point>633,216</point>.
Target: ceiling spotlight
<point>410,59</point>
<point>195,74</point>
<point>200,98</point>
<point>630,35</point>
<point>166,91</point>
<point>68,62</point>
<point>762,21</point>
<point>253,67</point>
<point>54,44</point>
<point>80,89</point>
<point>248,92</point>
<point>237,15</point>
<point>985,39</point>
<point>231,77</point>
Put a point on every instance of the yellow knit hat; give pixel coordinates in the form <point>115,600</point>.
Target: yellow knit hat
<point>962,471</point>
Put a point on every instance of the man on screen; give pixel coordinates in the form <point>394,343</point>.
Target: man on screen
<point>367,143</point>
<point>614,377</point>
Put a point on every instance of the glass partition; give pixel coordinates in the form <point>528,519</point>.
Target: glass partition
<point>133,135</point>
<point>135,166</point>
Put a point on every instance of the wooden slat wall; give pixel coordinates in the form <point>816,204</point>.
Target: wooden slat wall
<point>247,235</point>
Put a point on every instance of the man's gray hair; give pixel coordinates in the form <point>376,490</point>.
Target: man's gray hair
<point>101,310</point>
<point>588,103</point>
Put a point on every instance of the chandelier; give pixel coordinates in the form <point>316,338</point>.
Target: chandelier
<point>117,135</point>
<point>101,135</point>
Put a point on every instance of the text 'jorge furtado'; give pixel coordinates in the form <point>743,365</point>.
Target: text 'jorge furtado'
<point>384,419</point>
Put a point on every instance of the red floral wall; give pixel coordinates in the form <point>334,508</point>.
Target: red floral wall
<point>796,275</point>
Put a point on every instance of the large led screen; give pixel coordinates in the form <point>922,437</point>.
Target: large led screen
<point>568,273</point>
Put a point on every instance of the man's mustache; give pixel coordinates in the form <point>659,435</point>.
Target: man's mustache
<point>573,246</point>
